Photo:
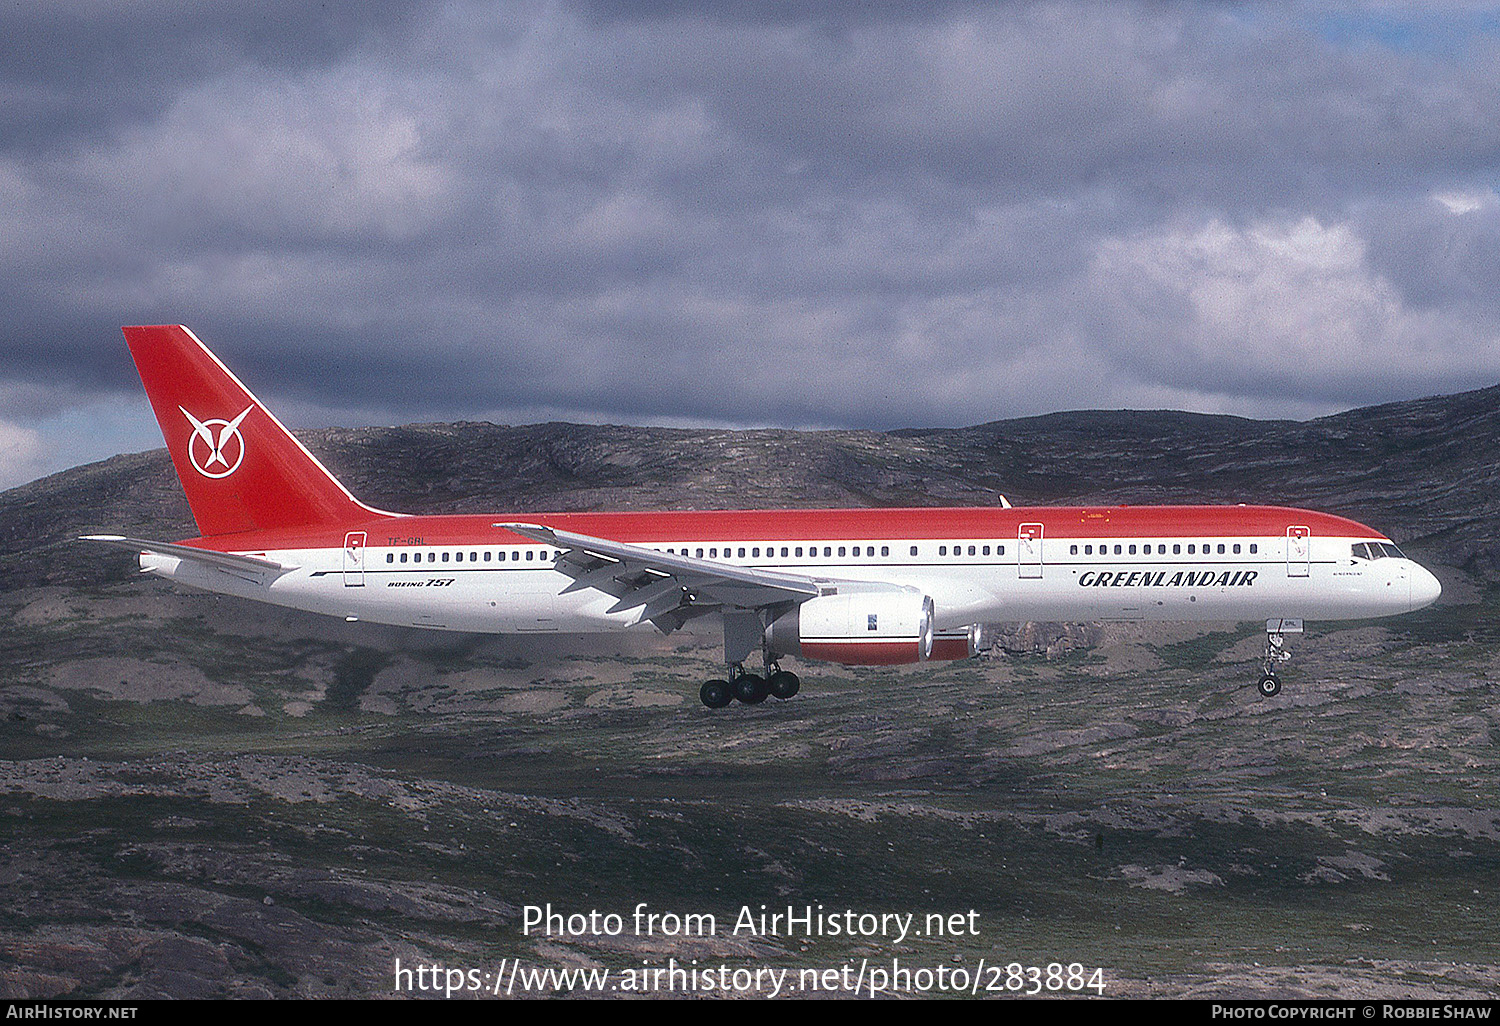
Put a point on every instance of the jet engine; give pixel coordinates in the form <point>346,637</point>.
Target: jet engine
<point>857,628</point>
<point>963,644</point>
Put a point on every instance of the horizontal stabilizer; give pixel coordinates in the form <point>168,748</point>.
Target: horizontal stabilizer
<point>220,560</point>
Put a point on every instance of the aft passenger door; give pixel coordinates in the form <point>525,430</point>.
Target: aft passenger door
<point>354,559</point>
<point>1029,550</point>
<point>1298,551</point>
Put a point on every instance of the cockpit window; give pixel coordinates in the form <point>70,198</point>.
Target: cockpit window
<point>1377,550</point>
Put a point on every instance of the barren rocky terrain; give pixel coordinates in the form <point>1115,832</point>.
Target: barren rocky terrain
<point>202,797</point>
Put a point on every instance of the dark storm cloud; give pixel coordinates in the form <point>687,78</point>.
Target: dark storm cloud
<point>835,13</point>
<point>75,68</point>
<point>1041,101</point>
<point>835,213</point>
<point>1444,258</point>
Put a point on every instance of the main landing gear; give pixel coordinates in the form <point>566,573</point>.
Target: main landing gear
<point>716,694</point>
<point>1269,684</point>
<point>750,688</point>
<point>744,630</point>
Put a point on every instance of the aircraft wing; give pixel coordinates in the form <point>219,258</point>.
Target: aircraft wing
<point>227,561</point>
<point>669,589</point>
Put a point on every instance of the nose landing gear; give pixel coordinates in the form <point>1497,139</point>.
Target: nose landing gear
<point>1277,629</point>
<point>1269,685</point>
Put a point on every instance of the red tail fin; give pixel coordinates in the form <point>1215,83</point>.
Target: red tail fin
<point>241,469</point>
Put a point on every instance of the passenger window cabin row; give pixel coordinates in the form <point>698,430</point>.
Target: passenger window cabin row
<point>699,552</point>
<point>474,556</point>
<point>1373,550</point>
<point>1193,548</point>
<point>828,551</point>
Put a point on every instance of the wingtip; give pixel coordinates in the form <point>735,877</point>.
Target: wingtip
<point>521,528</point>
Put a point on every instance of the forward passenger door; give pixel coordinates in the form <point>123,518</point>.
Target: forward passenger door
<point>1298,551</point>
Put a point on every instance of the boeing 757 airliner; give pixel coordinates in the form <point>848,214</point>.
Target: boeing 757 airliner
<point>853,586</point>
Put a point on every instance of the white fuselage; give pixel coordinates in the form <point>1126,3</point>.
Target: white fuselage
<point>509,588</point>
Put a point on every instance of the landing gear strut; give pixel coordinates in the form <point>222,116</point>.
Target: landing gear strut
<point>1269,684</point>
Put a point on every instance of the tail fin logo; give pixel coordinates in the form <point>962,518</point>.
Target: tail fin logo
<point>216,444</point>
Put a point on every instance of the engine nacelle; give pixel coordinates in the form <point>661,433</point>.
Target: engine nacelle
<point>963,644</point>
<point>952,645</point>
<point>857,628</point>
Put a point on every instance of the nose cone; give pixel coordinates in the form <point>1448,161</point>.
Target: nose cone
<point>1425,588</point>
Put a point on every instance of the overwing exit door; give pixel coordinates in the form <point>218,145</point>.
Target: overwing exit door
<point>1029,550</point>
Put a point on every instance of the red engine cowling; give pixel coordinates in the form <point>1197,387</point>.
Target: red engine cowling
<point>962,644</point>
<point>858,628</point>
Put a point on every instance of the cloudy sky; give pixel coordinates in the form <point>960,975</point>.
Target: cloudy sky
<point>870,214</point>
